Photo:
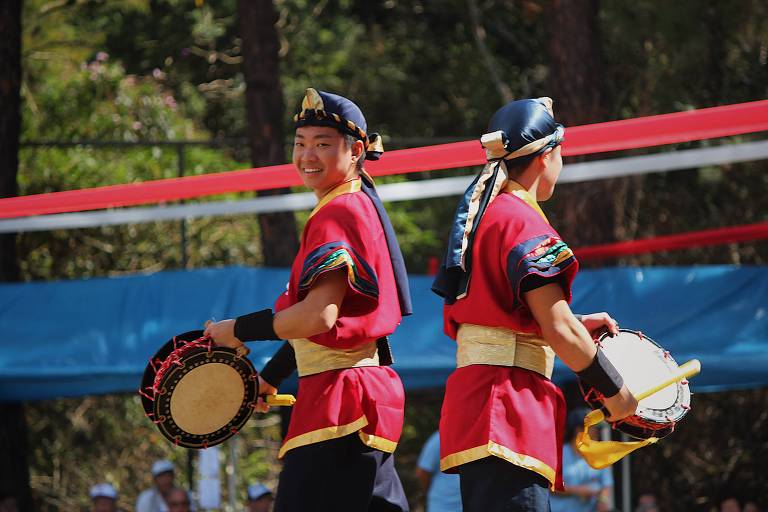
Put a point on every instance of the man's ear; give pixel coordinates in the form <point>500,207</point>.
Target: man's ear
<point>357,149</point>
<point>542,160</point>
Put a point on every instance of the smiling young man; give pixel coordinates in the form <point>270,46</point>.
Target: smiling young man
<point>506,280</point>
<point>347,292</point>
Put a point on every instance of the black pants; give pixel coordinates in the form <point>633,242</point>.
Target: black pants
<point>495,485</point>
<point>339,475</point>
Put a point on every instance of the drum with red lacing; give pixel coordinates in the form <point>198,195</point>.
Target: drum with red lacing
<point>198,394</point>
<point>642,363</point>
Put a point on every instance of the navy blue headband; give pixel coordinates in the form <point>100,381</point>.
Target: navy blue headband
<point>522,128</point>
<point>320,108</point>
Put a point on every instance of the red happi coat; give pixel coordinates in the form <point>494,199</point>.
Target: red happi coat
<point>508,412</point>
<point>344,232</point>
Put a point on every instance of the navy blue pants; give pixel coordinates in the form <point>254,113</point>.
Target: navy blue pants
<point>493,484</point>
<point>339,475</point>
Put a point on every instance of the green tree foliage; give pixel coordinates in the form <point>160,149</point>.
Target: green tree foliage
<point>99,101</point>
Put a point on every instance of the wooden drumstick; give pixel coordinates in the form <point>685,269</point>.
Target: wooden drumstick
<point>689,369</point>
<point>279,400</point>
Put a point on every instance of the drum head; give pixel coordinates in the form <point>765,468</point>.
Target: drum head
<point>643,363</point>
<point>203,398</point>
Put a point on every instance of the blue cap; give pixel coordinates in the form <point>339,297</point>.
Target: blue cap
<point>103,490</point>
<point>256,491</point>
<point>320,108</point>
<point>522,128</point>
<point>162,466</point>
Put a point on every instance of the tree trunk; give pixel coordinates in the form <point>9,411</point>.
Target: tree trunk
<point>586,213</point>
<point>14,470</point>
<point>264,107</point>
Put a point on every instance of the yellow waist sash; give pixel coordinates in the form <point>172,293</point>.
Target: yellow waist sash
<point>479,344</point>
<point>312,358</point>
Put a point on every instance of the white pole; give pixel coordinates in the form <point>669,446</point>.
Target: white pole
<point>232,473</point>
<point>626,484</point>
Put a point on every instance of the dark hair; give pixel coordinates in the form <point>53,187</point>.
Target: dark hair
<point>517,166</point>
<point>350,139</point>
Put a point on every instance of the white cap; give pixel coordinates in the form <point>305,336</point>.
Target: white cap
<point>161,466</point>
<point>103,491</point>
<point>256,491</point>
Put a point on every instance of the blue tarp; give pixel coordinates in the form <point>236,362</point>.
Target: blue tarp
<point>71,338</point>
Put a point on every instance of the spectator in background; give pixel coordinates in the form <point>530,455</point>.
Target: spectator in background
<point>750,506</point>
<point>443,491</point>
<point>260,498</point>
<point>586,489</point>
<point>647,503</point>
<point>178,500</point>
<point>103,498</point>
<point>730,504</point>
<point>154,499</point>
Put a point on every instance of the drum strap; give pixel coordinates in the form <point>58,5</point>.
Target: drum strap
<point>312,358</point>
<point>480,344</point>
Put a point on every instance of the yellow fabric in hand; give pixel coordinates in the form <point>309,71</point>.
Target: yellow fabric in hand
<point>601,454</point>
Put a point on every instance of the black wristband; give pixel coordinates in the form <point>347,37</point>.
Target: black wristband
<point>602,375</point>
<point>256,326</point>
<point>281,366</point>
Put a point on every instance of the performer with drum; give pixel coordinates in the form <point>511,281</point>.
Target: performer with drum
<point>506,280</point>
<point>348,290</point>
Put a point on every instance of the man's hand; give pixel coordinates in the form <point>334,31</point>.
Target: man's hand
<point>596,322</point>
<point>620,405</point>
<point>265,388</point>
<point>223,333</point>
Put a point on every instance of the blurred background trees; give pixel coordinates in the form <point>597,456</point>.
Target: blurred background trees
<point>155,71</point>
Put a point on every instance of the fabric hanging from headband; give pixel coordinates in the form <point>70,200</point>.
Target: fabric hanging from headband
<point>395,255</point>
<point>452,280</point>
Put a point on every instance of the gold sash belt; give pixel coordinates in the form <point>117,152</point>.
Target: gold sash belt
<point>479,344</point>
<point>312,358</point>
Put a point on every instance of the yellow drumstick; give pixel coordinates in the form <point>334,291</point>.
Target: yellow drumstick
<point>689,369</point>
<point>280,400</point>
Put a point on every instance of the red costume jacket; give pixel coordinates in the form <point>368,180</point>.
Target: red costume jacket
<point>504,411</point>
<point>345,232</point>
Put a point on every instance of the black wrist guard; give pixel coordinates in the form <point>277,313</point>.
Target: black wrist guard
<point>280,366</point>
<point>256,326</point>
<point>602,375</point>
